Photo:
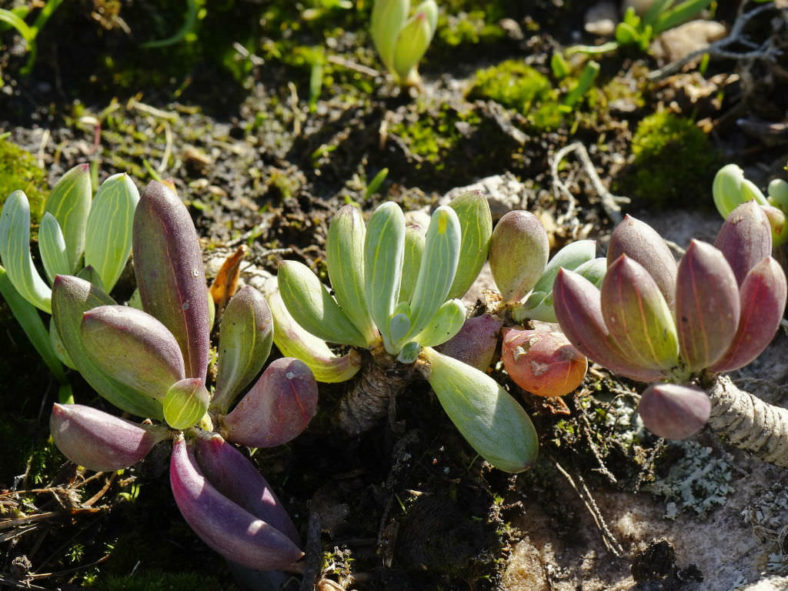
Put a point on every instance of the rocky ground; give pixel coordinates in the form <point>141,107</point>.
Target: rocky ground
<point>263,156</point>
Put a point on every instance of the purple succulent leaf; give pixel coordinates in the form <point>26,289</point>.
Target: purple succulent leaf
<point>224,525</point>
<point>519,249</point>
<point>763,294</point>
<point>133,348</point>
<point>277,408</point>
<point>707,305</point>
<point>236,478</point>
<point>170,274</point>
<point>476,342</point>
<point>100,441</point>
<point>673,411</point>
<point>245,337</point>
<point>643,244</point>
<point>745,238</point>
<point>637,315</point>
<point>578,308</point>
<point>71,298</point>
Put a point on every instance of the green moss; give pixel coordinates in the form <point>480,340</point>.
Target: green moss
<point>18,170</point>
<point>468,28</point>
<point>674,162</point>
<point>520,87</point>
<point>434,132</point>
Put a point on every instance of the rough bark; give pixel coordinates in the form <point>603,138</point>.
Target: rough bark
<point>749,423</point>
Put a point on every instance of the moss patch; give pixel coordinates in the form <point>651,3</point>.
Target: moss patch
<point>18,170</point>
<point>674,162</point>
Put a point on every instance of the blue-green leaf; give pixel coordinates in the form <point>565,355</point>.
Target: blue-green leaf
<point>384,248</point>
<point>15,252</point>
<point>109,229</point>
<point>446,323</point>
<point>473,213</point>
<point>52,247</point>
<point>69,202</point>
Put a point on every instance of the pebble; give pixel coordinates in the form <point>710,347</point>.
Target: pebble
<point>680,41</point>
<point>601,19</point>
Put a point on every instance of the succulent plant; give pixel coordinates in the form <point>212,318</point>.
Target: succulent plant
<point>79,234</point>
<point>402,38</point>
<point>730,189</point>
<point>153,363</point>
<point>394,296</point>
<point>653,320</point>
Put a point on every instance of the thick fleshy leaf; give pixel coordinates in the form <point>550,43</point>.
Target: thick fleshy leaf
<point>293,341</point>
<point>29,319</point>
<point>491,421</point>
<point>414,39</point>
<point>416,224</point>
<point>578,307</point>
<point>246,334</point>
<point>445,324</point>
<point>277,408</point>
<point>399,325</point>
<point>133,348</point>
<point>476,341</point>
<point>730,189</point>
<point>236,478</point>
<point>52,247</point>
<point>185,403</point>
<point>71,298</point>
<point>384,249</point>
<point>58,346</point>
<point>542,362</point>
<point>518,254</point>
<point>345,262</point>
<point>409,352</point>
<point>69,202</point>
<point>388,17</point>
<point>763,294</point>
<point>745,239</point>
<point>100,441</point>
<point>313,306</point>
<point>438,267</point>
<point>673,411</point>
<point>15,252</point>
<point>473,213</point>
<point>223,524</point>
<point>109,228</point>
<point>641,243</point>
<point>637,315</point>
<point>170,274</point>
<point>569,257</point>
<point>707,305</point>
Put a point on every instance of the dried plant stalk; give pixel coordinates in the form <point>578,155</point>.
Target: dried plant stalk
<point>749,423</point>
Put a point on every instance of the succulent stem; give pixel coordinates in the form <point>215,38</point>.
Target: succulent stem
<point>749,423</point>
<point>371,394</point>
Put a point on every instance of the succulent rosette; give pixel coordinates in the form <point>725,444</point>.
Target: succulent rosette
<point>395,283</point>
<point>153,363</point>
<point>654,320</point>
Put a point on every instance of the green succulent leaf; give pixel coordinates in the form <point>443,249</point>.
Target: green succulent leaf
<point>15,252</point>
<point>446,323</point>
<point>345,262</point>
<point>71,298</point>
<point>293,341</point>
<point>384,249</point>
<point>246,334</point>
<point>415,231</point>
<point>52,247</point>
<point>492,422</point>
<point>109,229</point>
<point>637,315</point>
<point>57,345</point>
<point>519,249</point>
<point>29,319</point>
<point>185,403</point>
<point>409,352</point>
<point>133,348</point>
<point>399,326</point>
<point>473,213</point>
<point>438,267</point>
<point>313,307</point>
<point>69,202</point>
<point>414,38</point>
<point>388,17</point>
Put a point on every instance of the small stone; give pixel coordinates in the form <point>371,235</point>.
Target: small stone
<point>601,19</point>
<point>676,43</point>
<point>503,192</point>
